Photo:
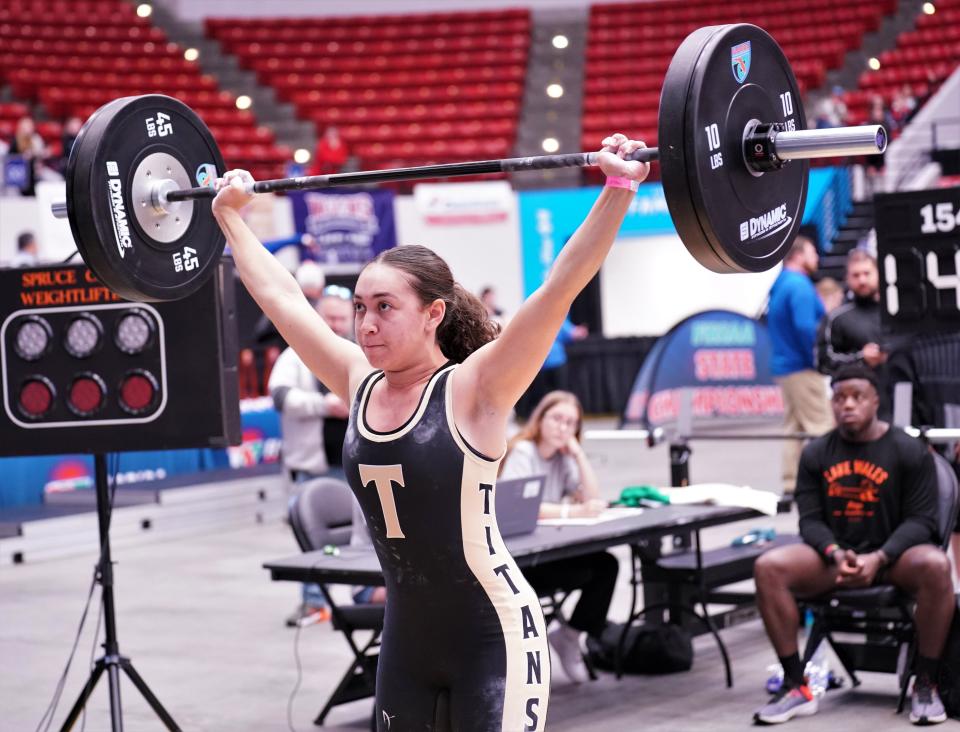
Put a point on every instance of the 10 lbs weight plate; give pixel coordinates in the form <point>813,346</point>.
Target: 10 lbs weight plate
<point>136,247</point>
<point>722,80</point>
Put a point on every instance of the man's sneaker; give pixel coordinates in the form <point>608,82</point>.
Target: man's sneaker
<point>925,704</point>
<point>566,643</point>
<point>304,616</point>
<point>789,702</point>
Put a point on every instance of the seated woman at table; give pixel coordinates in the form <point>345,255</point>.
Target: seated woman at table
<point>549,445</point>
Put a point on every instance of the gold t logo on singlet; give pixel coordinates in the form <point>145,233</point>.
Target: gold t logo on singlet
<point>384,476</point>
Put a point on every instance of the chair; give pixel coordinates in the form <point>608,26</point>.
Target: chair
<point>320,515</point>
<point>882,613</point>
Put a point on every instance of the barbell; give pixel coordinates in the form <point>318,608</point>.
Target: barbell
<point>733,155</point>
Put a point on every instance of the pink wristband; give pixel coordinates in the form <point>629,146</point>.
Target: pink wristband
<point>616,182</point>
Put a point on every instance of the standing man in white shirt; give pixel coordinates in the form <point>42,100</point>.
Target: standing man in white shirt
<point>312,424</point>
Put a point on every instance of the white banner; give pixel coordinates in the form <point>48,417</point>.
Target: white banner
<point>464,204</point>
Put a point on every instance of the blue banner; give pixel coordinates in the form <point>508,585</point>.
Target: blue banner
<point>344,227</point>
<point>549,218</point>
<point>15,172</point>
<point>722,356</point>
<point>829,200</point>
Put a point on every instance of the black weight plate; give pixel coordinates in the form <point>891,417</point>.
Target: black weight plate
<point>78,166</point>
<point>109,148</point>
<point>729,218</point>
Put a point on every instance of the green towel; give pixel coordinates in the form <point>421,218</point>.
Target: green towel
<point>640,495</point>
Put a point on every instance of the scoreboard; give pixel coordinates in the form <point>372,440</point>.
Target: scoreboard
<point>918,253</point>
<point>82,370</point>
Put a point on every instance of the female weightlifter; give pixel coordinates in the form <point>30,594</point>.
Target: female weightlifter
<point>431,387</point>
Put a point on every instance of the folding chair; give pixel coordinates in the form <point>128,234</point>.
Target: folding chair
<point>321,514</point>
<point>882,613</point>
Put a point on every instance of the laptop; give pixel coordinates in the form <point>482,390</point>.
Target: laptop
<point>518,504</point>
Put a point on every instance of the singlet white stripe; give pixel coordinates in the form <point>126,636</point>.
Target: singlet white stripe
<point>520,699</point>
<point>474,523</point>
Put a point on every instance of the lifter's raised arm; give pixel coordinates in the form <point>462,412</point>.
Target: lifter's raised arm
<point>500,372</point>
<point>326,354</point>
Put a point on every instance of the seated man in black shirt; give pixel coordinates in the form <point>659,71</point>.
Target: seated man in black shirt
<point>867,498</point>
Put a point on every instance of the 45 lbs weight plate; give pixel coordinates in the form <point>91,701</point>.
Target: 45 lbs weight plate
<point>142,249</point>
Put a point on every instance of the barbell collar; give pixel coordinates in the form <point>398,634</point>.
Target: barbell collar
<point>830,142</point>
<point>59,209</point>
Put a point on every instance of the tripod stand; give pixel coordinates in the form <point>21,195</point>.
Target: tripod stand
<point>111,661</point>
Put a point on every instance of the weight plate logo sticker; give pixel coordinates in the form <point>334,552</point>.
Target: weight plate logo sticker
<point>121,226</point>
<point>206,175</point>
<point>766,224</point>
<point>740,59</point>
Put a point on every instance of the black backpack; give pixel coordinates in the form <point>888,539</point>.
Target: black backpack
<point>648,649</point>
<point>949,681</point>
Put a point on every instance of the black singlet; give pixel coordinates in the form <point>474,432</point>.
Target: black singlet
<point>461,621</point>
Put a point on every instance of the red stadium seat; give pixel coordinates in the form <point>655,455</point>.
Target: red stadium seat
<point>431,80</point>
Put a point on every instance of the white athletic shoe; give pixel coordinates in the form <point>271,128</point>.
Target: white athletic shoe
<point>566,643</point>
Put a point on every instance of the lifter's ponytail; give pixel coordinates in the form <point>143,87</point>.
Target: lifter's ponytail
<point>466,326</point>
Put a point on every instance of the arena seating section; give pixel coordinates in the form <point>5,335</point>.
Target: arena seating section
<point>923,59</point>
<point>630,46</point>
<point>421,89</point>
<point>402,90</point>
<point>73,56</point>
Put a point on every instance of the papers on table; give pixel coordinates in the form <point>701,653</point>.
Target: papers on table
<point>717,494</point>
<point>724,494</point>
<point>611,514</point>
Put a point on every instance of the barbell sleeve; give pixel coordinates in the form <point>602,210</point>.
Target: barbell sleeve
<point>829,143</point>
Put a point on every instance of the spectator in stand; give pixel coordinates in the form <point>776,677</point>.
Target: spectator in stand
<point>793,313</point>
<point>832,111</point>
<point>28,144</point>
<point>71,128</point>
<point>331,154</point>
<point>27,250</point>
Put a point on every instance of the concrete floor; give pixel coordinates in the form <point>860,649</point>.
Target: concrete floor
<point>203,625</point>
